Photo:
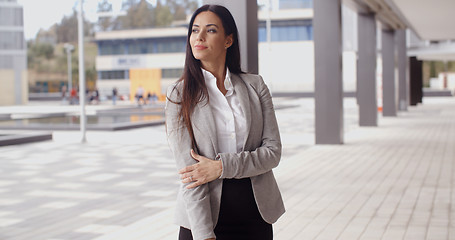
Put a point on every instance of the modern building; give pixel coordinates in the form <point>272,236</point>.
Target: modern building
<point>127,59</point>
<point>122,52</point>
<point>285,27</point>
<point>13,54</point>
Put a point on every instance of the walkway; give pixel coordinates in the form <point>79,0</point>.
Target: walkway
<point>395,181</point>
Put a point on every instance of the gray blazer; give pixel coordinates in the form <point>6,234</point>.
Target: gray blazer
<point>198,208</point>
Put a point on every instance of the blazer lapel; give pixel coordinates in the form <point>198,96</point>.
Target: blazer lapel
<point>203,120</point>
<point>242,94</point>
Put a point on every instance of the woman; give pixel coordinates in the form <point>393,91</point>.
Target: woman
<point>223,133</point>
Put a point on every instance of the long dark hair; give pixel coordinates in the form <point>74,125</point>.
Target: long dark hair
<point>194,89</point>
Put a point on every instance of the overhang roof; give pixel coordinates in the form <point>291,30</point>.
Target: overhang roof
<point>429,19</point>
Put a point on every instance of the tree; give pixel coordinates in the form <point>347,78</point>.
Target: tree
<point>142,14</point>
<point>163,15</point>
<point>181,8</point>
<point>105,23</point>
<point>127,4</point>
<point>66,30</point>
<point>139,15</point>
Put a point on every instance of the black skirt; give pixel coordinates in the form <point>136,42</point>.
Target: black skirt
<point>239,216</point>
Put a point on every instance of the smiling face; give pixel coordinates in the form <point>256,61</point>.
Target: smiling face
<point>208,39</point>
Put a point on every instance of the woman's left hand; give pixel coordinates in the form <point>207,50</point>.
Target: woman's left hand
<point>206,170</point>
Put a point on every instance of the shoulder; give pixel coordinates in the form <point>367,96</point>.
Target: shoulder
<point>174,90</point>
<point>253,80</point>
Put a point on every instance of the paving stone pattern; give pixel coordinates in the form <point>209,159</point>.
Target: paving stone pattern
<point>395,181</point>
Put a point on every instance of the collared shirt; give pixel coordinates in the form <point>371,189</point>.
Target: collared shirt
<point>230,122</point>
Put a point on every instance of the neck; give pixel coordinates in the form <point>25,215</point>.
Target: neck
<point>218,70</point>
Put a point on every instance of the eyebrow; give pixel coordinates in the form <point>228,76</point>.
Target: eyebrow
<point>208,25</point>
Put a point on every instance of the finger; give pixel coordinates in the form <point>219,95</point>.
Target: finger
<point>186,169</point>
<point>186,180</point>
<point>195,155</point>
<point>193,185</point>
<point>186,175</point>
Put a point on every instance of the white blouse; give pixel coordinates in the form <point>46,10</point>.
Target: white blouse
<point>229,118</point>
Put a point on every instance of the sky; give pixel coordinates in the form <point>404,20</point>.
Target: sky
<point>44,13</point>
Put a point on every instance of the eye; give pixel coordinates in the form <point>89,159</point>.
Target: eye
<point>212,30</point>
<point>195,30</point>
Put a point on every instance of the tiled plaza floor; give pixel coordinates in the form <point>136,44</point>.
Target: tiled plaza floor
<point>395,181</point>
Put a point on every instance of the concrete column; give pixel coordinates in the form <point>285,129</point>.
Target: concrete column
<point>366,71</point>
<point>328,72</point>
<point>402,70</point>
<point>416,81</point>
<point>389,102</point>
<point>245,13</point>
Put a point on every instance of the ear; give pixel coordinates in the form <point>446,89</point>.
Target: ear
<point>229,41</point>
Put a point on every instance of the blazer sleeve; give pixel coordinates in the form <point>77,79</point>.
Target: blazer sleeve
<point>264,158</point>
<point>197,200</point>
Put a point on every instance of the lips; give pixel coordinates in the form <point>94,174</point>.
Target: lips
<point>200,47</point>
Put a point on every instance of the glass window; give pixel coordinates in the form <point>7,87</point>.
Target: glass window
<point>111,48</point>
<point>289,4</point>
<point>11,17</point>
<point>10,40</point>
<point>116,74</point>
<point>290,30</point>
<point>143,46</point>
<point>170,45</point>
<point>171,73</point>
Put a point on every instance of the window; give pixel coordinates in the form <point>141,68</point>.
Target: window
<point>143,46</point>
<point>171,73</point>
<point>170,45</point>
<point>11,40</point>
<point>11,17</point>
<point>289,4</point>
<point>111,48</point>
<point>293,30</point>
<point>116,74</point>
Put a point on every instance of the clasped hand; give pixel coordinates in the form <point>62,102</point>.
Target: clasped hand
<point>206,170</point>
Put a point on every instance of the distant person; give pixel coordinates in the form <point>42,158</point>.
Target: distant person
<point>140,95</point>
<point>64,94</point>
<point>224,136</point>
<point>73,96</point>
<point>152,98</point>
<point>114,95</point>
<point>149,98</point>
<point>94,96</point>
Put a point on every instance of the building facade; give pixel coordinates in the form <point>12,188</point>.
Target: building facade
<point>13,55</point>
<point>120,52</point>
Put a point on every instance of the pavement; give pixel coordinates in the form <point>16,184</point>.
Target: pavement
<point>394,181</point>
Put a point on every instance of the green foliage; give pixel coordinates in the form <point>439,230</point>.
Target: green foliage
<point>105,23</point>
<point>37,53</point>
<point>163,15</point>
<point>67,31</point>
<point>141,14</point>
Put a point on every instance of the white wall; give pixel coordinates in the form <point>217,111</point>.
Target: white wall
<point>349,71</point>
<point>287,66</point>
<point>121,62</point>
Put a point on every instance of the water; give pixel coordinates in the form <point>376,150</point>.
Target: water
<point>97,122</point>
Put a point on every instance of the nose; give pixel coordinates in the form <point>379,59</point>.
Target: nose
<point>201,36</point>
